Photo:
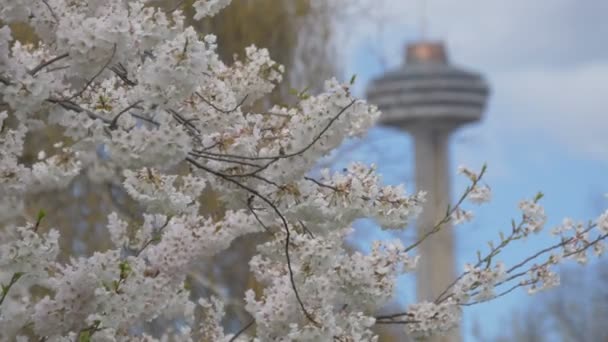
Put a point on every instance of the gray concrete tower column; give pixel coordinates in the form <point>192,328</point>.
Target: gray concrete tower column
<point>431,172</point>
<point>429,98</point>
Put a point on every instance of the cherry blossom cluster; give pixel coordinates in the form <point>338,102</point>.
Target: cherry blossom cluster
<point>145,101</point>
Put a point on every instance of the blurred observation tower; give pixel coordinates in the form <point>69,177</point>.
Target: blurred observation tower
<point>430,99</point>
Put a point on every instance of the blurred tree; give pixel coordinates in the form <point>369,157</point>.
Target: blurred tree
<point>298,34</point>
<point>577,311</point>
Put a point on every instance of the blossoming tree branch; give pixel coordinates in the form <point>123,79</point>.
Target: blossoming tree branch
<point>140,96</point>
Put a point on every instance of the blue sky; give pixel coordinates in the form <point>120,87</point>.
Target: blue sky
<point>546,127</point>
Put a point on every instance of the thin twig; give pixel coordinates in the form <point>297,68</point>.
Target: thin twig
<point>44,64</point>
<point>90,81</point>
<point>257,218</point>
<point>232,161</point>
<point>302,150</point>
<point>522,273</point>
<point>186,122</point>
<point>51,10</point>
<point>281,217</point>
<point>154,238</point>
<point>498,295</point>
<point>177,6</point>
<point>409,321</point>
<point>310,234</point>
<point>225,111</point>
<point>282,156</point>
<point>57,68</point>
<point>243,329</point>
<point>448,215</point>
<point>486,259</point>
<point>70,105</point>
<point>143,118</point>
<point>392,316</point>
<point>548,249</point>
<point>113,124</point>
<point>322,184</point>
<point>5,289</point>
<point>120,71</point>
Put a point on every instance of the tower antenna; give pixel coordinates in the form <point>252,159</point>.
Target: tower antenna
<point>423,19</point>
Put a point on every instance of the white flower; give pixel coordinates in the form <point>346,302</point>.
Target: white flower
<point>164,194</point>
<point>542,278</point>
<point>599,248</point>
<point>566,226</point>
<point>480,194</point>
<point>118,230</point>
<point>602,223</point>
<point>56,171</point>
<point>460,216</point>
<point>478,281</point>
<point>534,216</point>
<point>468,173</point>
<point>430,319</point>
<point>208,8</point>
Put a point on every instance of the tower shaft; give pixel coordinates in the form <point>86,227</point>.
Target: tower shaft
<point>436,269</point>
<point>430,98</point>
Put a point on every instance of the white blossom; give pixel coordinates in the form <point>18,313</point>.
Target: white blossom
<point>207,8</point>
<point>144,102</point>
<point>602,223</point>
<point>464,170</point>
<point>56,171</point>
<point>480,194</point>
<point>479,280</point>
<point>430,319</point>
<point>460,216</point>
<point>542,278</point>
<point>161,193</point>
<point>534,216</point>
<point>118,230</point>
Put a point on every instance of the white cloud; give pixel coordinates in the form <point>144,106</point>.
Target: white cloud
<point>568,106</point>
<point>510,34</point>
